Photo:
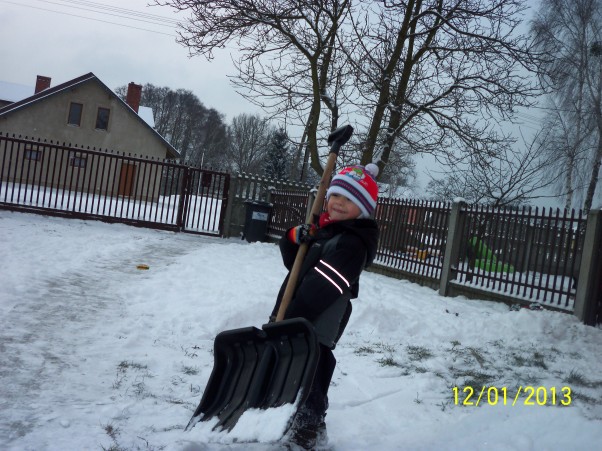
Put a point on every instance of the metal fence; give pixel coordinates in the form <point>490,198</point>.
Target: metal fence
<point>90,183</point>
<point>412,235</point>
<point>249,187</point>
<point>289,208</point>
<point>524,254</point>
<point>528,253</point>
<point>257,187</point>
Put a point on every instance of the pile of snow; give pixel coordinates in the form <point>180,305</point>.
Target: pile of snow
<point>97,354</point>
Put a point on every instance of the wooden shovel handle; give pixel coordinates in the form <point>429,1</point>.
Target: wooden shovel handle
<point>337,138</point>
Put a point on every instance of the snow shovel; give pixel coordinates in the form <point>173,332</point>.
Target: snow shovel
<point>272,366</point>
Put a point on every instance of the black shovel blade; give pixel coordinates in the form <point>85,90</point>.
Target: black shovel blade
<point>339,137</point>
<point>258,369</point>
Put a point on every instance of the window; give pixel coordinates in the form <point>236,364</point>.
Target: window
<point>102,118</point>
<point>75,114</point>
<point>79,161</point>
<point>33,154</point>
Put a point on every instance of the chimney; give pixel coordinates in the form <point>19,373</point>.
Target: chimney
<point>133,96</point>
<point>42,83</point>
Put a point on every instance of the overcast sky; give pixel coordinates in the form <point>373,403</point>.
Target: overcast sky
<point>64,39</point>
<point>121,42</point>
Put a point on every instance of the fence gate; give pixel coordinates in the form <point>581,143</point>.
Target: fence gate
<point>52,178</point>
<point>203,209</point>
<point>126,179</point>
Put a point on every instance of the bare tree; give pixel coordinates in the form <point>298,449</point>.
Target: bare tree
<point>437,75</point>
<point>566,138</point>
<point>249,142</point>
<point>595,91</point>
<point>180,117</point>
<point>211,141</point>
<point>511,178</point>
<point>569,32</point>
<point>415,76</point>
<point>286,47</point>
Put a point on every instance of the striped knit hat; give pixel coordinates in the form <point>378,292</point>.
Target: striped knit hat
<point>358,185</point>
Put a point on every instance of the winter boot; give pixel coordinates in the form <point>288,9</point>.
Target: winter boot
<point>307,432</point>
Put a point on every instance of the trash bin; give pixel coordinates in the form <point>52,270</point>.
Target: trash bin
<point>256,220</point>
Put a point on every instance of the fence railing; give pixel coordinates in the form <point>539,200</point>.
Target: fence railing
<point>256,187</point>
<point>91,183</point>
<point>206,199</point>
<point>528,254</point>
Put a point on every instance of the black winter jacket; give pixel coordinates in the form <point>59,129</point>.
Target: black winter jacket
<point>329,276</point>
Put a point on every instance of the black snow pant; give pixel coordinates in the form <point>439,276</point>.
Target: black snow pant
<point>314,408</point>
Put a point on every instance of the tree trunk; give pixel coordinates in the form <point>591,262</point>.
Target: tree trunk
<point>395,119</point>
<point>593,181</point>
<point>572,157</point>
<point>385,89</point>
<point>297,159</point>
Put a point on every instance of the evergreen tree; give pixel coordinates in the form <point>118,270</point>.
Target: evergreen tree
<point>277,155</point>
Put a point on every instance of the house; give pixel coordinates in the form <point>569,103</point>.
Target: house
<point>85,114</point>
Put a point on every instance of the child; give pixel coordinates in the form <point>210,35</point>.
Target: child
<point>341,245</point>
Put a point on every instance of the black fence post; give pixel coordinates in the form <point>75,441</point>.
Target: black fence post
<point>588,297</point>
<point>232,193</point>
<point>224,225</point>
<point>183,200</point>
<point>452,247</point>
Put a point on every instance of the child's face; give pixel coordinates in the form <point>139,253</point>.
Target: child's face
<point>341,208</point>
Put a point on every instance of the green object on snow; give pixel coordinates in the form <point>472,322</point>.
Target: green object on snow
<point>481,250</point>
<point>486,260</point>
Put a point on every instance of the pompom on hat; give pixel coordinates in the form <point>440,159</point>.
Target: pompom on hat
<point>358,184</point>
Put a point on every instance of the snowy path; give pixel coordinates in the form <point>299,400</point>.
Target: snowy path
<point>53,334</point>
<point>37,339</point>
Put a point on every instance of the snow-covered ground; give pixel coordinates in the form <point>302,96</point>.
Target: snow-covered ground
<point>96,354</point>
